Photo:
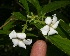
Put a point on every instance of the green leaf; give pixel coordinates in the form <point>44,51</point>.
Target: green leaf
<point>62,43</point>
<point>9,22</point>
<point>61,33</point>
<point>54,6</point>
<point>25,4</point>
<point>4,32</point>
<point>65,26</point>
<point>8,26</point>
<point>18,16</point>
<point>37,5</point>
<point>54,50</point>
<point>38,25</point>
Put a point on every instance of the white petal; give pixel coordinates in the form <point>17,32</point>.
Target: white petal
<point>55,25</point>
<point>45,30</point>
<point>54,19</point>
<point>12,34</point>
<point>48,20</point>
<point>15,42</point>
<point>28,16</point>
<point>21,44</point>
<point>21,35</point>
<point>52,31</point>
<point>28,41</point>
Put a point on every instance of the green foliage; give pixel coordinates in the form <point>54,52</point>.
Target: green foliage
<point>8,26</point>
<point>25,4</point>
<point>35,22</point>
<point>4,32</point>
<point>54,6</point>
<point>65,26</point>
<point>61,33</point>
<point>37,5</point>
<point>62,43</point>
<point>18,16</point>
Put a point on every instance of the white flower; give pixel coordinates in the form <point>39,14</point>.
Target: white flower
<point>21,44</point>
<point>45,30</point>
<point>48,20</point>
<point>19,39</point>
<point>15,42</point>
<point>21,35</point>
<point>28,41</point>
<point>52,24</point>
<point>12,34</point>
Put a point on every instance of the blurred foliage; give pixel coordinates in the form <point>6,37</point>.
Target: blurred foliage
<point>13,15</point>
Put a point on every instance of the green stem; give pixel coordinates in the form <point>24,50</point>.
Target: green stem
<point>25,27</point>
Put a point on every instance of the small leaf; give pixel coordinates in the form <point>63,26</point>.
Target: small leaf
<point>18,16</point>
<point>37,5</point>
<point>25,4</point>
<point>54,6</point>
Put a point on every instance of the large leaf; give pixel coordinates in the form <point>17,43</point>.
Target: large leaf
<point>18,16</point>
<point>61,33</point>
<point>37,5</point>
<point>62,43</point>
<point>54,51</point>
<point>65,26</point>
<point>53,6</point>
<point>25,4</point>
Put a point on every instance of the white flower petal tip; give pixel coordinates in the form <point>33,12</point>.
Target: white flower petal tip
<point>21,44</point>
<point>52,31</point>
<point>48,20</point>
<point>28,16</point>
<point>45,30</point>
<point>54,20</point>
<point>55,25</point>
<point>13,45</point>
<point>54,15</point>
<point>28,41</point>
<point>12,34</point>
<point>15,42</point>
<point>21,35</point>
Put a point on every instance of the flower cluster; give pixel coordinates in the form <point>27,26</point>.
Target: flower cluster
<point>19,39</point>
<point>51,25</point>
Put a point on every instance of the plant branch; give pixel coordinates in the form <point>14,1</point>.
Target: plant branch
<point>6,23</point>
